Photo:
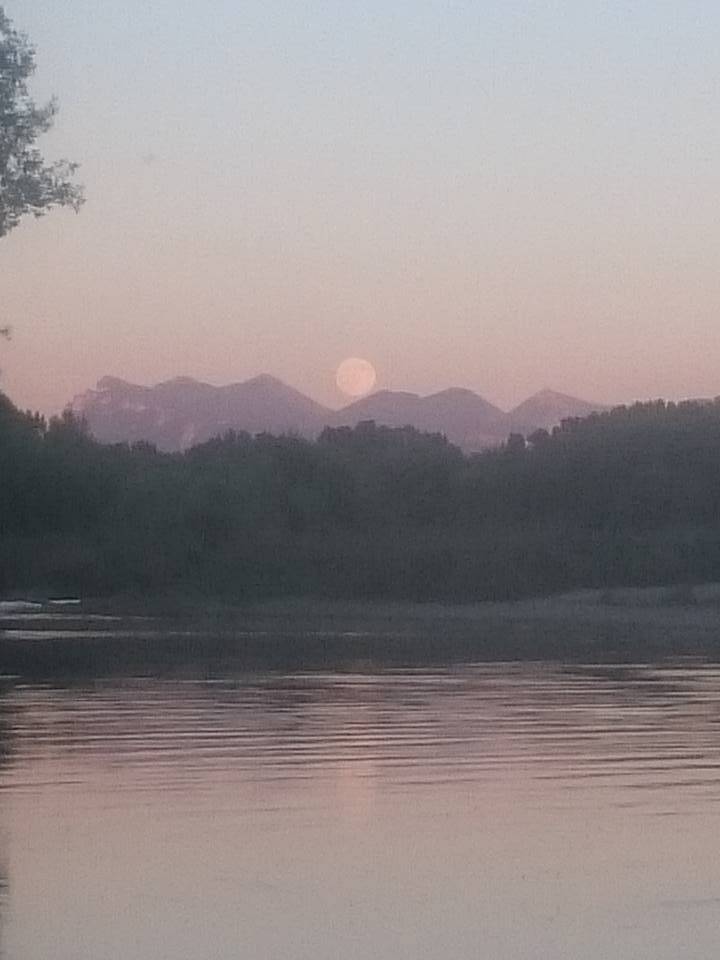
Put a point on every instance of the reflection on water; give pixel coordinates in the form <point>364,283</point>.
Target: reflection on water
<point>4,758</point>
<point>503,811</point>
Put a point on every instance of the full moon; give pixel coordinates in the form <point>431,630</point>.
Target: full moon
<point>355,377</point>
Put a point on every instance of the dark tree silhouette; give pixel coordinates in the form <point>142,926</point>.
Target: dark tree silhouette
<point>28,185</point>
<point>626,497</point>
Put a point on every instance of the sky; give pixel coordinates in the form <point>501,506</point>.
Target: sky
<point>497,195</point>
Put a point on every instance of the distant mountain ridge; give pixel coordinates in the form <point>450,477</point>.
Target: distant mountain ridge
<point>181,412</point>
<point>547,408</point>
<point>465,418</point>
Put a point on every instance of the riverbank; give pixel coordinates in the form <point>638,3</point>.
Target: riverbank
<point>168,634</point>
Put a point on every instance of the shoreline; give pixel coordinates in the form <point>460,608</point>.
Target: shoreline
<point>162,635</point>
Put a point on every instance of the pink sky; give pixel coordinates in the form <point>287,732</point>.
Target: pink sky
<point>524,199</point>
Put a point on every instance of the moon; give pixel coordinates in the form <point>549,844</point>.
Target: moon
<point>355,377</point>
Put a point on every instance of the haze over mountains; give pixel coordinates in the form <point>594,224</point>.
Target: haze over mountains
<point>181,412</point>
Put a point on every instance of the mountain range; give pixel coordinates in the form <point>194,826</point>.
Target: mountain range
<point>181,412</point>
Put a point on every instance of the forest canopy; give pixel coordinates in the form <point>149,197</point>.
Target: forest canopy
<point>627,497</point>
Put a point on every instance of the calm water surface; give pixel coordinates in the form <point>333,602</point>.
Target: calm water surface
<point>503,812</point>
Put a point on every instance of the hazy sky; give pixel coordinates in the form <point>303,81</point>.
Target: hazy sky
<point>497,195</point>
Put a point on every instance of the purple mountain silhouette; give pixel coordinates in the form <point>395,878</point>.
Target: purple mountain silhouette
<point>181,412</point>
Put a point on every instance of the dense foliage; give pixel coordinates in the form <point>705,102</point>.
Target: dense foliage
<point>626,497</point>
<point>28,185</point>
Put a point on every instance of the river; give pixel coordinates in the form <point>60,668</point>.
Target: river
<point>504,811</point>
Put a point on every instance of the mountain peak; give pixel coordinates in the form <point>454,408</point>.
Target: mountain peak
<point>180,382</point>
<point>547,408</point>
<point>386,394</point>
<point>468,399</point>
<point>454,392</point>
<point>547,394</point>
<point>114,383</point>
<point>265,380</point>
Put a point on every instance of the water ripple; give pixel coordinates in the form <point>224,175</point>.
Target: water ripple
<point>631,727</point>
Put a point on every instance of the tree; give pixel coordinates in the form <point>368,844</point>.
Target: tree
<point>515,443</point>
<point>28,185</point>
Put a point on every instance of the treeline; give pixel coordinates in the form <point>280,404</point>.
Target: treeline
<point>628,497</point>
